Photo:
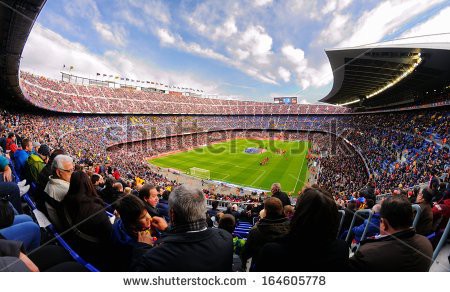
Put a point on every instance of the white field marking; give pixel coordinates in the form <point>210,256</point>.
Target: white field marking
<point>259,176</point>
<point>298,176</point>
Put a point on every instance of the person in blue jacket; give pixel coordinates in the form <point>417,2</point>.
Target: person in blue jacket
<point>21,156</point>
<point>374,226</point>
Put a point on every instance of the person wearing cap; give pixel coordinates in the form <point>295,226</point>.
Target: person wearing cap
<point>36,162</point>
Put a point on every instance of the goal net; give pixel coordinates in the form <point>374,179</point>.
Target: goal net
<point>200,172</point>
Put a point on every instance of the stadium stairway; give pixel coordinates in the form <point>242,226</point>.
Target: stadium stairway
<point>441,254</point>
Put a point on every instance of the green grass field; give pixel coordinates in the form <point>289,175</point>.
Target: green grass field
<point>228,162</point>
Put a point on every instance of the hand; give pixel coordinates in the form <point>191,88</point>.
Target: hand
<point>7,174</point>
<point>159,223</point>
<point>28,263</point>
<point>145,237</point>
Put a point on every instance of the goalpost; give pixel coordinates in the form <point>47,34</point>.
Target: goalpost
<point>200,172</point>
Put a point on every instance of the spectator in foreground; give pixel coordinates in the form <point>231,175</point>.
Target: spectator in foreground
<point>131,232</point>
<point>374,225</point>
<point>213,211</point>
<point>209,250</point>
<point>163,205</point>
<point>311,243</point>
<point>57,188</point>
<point>425,225</point>
<point>277,193</point>
<point>149,195</point>
<point>270,228</point>
<point>399,248</point>
<point>21,156</point>
<point>36,162</point>
<point>84,214</point>
<point>228,222</point>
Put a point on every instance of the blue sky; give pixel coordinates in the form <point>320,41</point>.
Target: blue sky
<point>246,49</point>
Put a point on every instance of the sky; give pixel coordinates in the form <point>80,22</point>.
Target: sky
<point>243,49</point>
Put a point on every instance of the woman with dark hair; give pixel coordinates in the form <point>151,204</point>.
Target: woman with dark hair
<point>132,232</point>
<point>84,214</point>
<point>311,243</point>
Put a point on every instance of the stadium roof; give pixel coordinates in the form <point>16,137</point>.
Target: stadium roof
<point>381,75</point>
<point>16,20</point>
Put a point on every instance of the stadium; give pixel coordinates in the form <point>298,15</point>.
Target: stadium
<point>360,179</point>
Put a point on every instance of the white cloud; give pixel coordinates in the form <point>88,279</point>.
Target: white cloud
<point>284,74</point>
<point>330,6</point>
<point>306,75</point>
<point>115,36</point>
<point>46,51</point>
<point>294,56</point>
<point>82,8</point>
<point>335,6</point>
<point>174,40</point>
<point>129,17</point>
<point>383,20</point>
<point>257,43</point>
<point>336,30</point>
<point>154,9</point>
<point>226,30</point>
<point>87,9</point>
<point>260,3</point>
<point>303,101</point>
<point>433,25</point>
<point>165,36</point>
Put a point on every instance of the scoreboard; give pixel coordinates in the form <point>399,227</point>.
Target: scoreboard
<point>285,100</point>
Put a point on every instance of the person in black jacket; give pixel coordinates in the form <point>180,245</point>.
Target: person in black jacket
<point>311,243</point>
<point>277,193</point>
<point>163,205</point>
<point>270,228</point>
<point>188,245</point>
<point>399,248</point>
<point>149,195</point>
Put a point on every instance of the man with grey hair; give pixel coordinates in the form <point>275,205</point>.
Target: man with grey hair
<point>188,245</point>
<point>57,187</point>
<point>277,193</point>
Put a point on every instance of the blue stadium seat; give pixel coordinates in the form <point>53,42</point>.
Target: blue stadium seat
<point>418,211</point>
<point>45,223</point>
<point>363,214</point>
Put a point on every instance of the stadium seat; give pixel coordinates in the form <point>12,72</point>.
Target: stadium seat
<point>362,214</point>
<point>341,221</point>
<point>418,211</point>
<point>45,223</point>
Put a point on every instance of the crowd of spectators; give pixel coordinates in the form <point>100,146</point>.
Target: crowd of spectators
<point>94,165</point>
<point>397,149</point>
<point>68,97</point>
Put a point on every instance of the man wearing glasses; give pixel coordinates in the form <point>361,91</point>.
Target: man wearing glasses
<point>57,187</point>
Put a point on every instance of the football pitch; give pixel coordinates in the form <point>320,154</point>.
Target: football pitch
<point>228,162</point>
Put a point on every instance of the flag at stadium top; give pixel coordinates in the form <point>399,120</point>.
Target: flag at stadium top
<point>253,50</point>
